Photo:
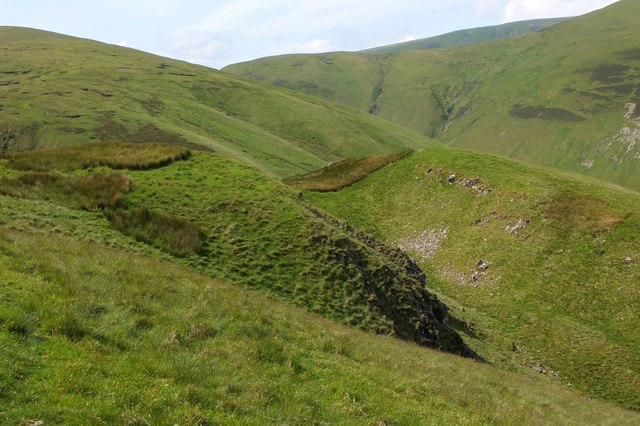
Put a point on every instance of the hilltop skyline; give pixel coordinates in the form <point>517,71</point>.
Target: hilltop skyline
<point>227,32</point>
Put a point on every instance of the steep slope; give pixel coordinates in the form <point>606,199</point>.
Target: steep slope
<point>567,96</point>
<point>470,36</point>
<point>58,90</point>
<point>541,268</point>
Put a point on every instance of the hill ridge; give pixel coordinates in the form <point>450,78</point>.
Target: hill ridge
<point>558,97</point>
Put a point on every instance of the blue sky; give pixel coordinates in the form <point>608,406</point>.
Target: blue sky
<point>220,32</point>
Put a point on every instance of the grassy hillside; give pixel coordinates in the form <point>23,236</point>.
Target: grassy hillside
<point>227,220</point>
<point>470,36</point>
<point>106,323</point>
<point>101,335</point>
<point>58,90</point>
<point>568,96</point>
<point>540,268</point>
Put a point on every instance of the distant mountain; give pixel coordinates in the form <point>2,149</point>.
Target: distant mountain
<point>469,36</point>
<point>567,96</point>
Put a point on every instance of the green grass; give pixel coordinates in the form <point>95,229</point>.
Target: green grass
<point>71,91</point>
<point>540,268</point>
<point>343,173</point>
<point>556,97</point>
<point>96,334</point>
<point>226,219</point>
<point>115,155</point>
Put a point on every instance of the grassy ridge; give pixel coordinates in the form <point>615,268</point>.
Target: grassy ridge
<point>228,220</point>
<point>470,36</point>
<point>67,91</point>
<point>97,334</point>
<point>567,97</point>
<point>541,268</point>
<point>343,173</point>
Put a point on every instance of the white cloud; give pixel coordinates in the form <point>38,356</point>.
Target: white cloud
<point>517,10</point>
<point>313,46</point>
<point>198,46</point>
<point>488,7</point>
<point>407,38</point>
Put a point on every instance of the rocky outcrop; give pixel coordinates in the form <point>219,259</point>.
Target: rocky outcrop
<point>393,285</point>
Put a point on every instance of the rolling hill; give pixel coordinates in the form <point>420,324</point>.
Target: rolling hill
<point>104,320</point>
<point>541,267</point>
<point>58,90</point>
<point>567,96</point>
<point>146,279</point>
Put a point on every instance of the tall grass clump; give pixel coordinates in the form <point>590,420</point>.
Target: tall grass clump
<point>90,192</point>
<point>343,173</point>
<point>176,236</point>
<point>116,155</point>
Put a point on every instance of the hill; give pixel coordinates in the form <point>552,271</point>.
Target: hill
<point>469,36</point>
<point>59,90</point>
<point>108,322</point>
<point>229,221</point>
<point>146,283</point>
<point>541,267</point>
<point>566,96</point>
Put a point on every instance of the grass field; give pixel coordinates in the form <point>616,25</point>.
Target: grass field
<point>153,270</point>
<point>541,268</point>
<point>101,335</point>
<point>226,219</point>
<point>111,327</point>
<point>115,155</point>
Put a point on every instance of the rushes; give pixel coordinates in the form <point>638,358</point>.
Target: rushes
<point>90,192</point>
<point>116,155</point>
<point>176,236</point>
<point>342,174</point>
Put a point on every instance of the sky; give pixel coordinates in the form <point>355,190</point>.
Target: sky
<point>217,33</point>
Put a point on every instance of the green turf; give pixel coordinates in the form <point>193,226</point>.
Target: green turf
<point>560,97</point>
<point>157,296</point>
<point>97,335</point>
<point>542,268</point>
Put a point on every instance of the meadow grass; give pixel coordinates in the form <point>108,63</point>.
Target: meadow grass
<point>540,268</point>
<point>228,220</point>
<point>99,335</point>
<point>178,237</point>
<point>71,91</point>
<point>90,192</point>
